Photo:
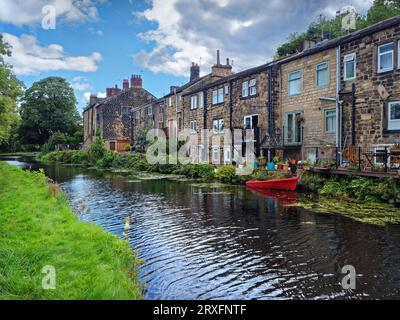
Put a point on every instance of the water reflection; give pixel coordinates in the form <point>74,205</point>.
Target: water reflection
<point>234,243</point>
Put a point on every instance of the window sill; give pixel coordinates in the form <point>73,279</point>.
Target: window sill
<point>217,104</point>
<point>391,131</point>
<point>250,97</point>
<point>384,71</point>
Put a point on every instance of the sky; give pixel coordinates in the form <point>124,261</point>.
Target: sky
<point>95,44</point>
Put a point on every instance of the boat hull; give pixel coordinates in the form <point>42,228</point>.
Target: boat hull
<point>289,184</point>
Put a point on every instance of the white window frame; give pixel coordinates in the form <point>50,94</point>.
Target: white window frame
<point>216,151</point>
<point>218,96</point>
<point>300,79</point>
<point>226,89</point>
<point>251,119</point>
<point>245,89</point>
<point>193,102</point>
<point>193,125</point>
<point>317,71</point>
<point>390,121</point>
<point>220,122</point>
<point>381,148</point>
<point>325,121</point>
<point>381,54</point>
<point>227,155</point>
<point>252,87</point>
<point>201,100</point>
<point>169,101</point>
<point>349,58</point>
<point>124,113</point>
<point>149,111</point>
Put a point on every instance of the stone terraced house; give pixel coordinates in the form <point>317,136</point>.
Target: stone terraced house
<point>322,102</point>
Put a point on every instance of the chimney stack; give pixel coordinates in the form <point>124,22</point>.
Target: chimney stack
<point>218,58</point>
<point>112,91</point>
<point>219,70</point>
<point>93,99</point>
<point>194,72</point>
<point>125,84</point>
<point>136,81</point>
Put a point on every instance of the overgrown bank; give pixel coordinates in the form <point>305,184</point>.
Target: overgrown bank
<point>356,189</point>
<point>38,229</point>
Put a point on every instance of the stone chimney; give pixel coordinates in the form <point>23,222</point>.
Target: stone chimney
<point>92,99</point>
<point>220,70</point>
<point>125,84</point>
<point>194,72</point>
<point>136,81</point>
<point>113,91</point>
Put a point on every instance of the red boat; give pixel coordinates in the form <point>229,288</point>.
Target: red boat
<point>289,184</point>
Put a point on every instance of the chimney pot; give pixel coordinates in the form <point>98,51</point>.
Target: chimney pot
<point>227,61</point>
<point>218,58</point>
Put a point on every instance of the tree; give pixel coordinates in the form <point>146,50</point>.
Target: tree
<point>10,91</point>
<point>49,106</point>
<point>379,11</point>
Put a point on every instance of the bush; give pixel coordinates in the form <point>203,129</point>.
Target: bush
<point>96,150</point>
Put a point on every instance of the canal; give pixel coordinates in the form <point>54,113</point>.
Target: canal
<point>203,241</point>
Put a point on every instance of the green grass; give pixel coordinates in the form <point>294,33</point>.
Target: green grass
<point>39,229</point>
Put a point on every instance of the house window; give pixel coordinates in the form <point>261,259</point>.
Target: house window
<point>149,111</point>
<point>253,87</point>
<point>201,100</point>
<point>250,122</point>
<point>379,158</point>
<point>322,74</point>
<point>137,115</point>
<point>293,128</point>
<point>218,126</point>
<point>350,67</point>
<point>294,83</point>
<point>216,155</point>
<point>218,96</point>
<point>126,111</point>
<point>385,57</point>
<point>112,145</point>
<point>245,89</point>
<point>193,125</point>
<point>169,101</point>
<point>193,102</point>
<point>394,115</point>
<point>226,88</point>
<point>227,155</point>
<point>330,121</point>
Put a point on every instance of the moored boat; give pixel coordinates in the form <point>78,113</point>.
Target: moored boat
<point>289,184</point>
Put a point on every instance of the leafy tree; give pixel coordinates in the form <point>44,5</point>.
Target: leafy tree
<point>10,91</point>
<point>49,106</point>
<point>379,11</point>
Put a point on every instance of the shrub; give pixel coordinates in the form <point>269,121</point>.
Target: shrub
<point>107,160</point>
<point>227,174</point>
<point>96,150</point>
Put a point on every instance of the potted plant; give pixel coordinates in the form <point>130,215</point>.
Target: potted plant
<point>262,161</point>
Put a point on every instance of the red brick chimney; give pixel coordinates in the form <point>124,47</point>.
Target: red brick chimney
<point>113,91</point>
<point>125,84</point>
<point>93,99</point>
<point>136,81</point>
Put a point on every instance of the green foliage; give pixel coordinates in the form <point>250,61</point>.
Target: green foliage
<point>96,150</point>
<point>227,174</point>
<point>10,91</point>
<point>41,230</point>
<point>197,171</point>
<point>49,106</point>
<point>379,11</point>
<point>356,188</point>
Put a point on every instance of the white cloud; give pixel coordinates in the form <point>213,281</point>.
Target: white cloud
<point>30,58</point>
<point>80,84</point>
<point>248,32</point>
<point>86,96</point>
<point>20,12</point>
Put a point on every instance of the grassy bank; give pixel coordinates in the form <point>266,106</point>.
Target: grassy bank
<point>38,229</point>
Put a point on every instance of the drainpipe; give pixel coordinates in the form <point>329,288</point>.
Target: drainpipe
<point>353,114</point>
<point>231,117</point>
<point>270,110</point>
<point>338,109</point>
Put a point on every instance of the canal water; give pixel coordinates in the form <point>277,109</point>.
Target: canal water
<point>214,242</point>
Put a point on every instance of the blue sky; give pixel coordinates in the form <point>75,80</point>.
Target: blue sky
<point>98,43</point>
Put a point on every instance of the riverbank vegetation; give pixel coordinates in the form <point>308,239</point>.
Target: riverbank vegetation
<point>38,229</point>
